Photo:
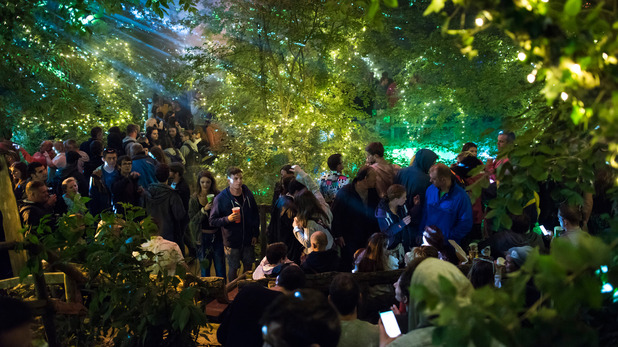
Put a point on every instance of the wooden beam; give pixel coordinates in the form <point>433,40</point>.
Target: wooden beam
<point>11,222</point>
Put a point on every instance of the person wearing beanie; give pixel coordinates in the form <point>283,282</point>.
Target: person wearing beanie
<point>516,257</point>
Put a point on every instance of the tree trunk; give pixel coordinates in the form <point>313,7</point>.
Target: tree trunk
<point>11,224</point>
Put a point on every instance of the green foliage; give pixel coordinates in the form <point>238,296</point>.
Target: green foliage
<point>282,90</point>
<point>569,132</point>
<point>565,313</point>
<point>567,139</point>
<point>125,302</point>
<point>67,66</point>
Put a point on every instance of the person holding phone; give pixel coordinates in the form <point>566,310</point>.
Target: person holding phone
<point>427,274</point>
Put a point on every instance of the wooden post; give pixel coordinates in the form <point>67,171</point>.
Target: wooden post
<point>264,209</point>
<point>11,222</point>
<point>48,316</point>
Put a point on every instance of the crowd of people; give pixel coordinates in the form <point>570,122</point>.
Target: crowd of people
<point>419,218</point>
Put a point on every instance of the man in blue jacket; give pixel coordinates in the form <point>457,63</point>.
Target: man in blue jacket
<point>240,230</point>
<point>447,205</point>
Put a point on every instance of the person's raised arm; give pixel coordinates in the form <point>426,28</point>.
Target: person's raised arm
<point>302,177</point>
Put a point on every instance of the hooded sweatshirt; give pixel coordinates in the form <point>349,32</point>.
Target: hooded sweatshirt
<point>166,209</point>
<point>416,176</point>
<point>428,274</point>
<point>390,223</point>
<point>145,166</point>
<point>236,235</point>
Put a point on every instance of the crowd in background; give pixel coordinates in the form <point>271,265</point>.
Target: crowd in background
<point>384,218</point>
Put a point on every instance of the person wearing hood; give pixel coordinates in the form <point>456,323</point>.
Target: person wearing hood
<point>447,205</point>
<point>143,164</point>
<point>71,170</point>
<point>428,274</point>
<point>394,218</point>
<point>416,176</point>
<point>241,229</point>
<point>166,207</point>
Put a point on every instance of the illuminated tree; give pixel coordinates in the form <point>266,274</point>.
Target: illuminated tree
<point>67,66</point>
<point>284,93</point>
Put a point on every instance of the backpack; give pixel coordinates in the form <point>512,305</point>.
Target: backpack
<point>174,158</point>
<point>193,158</point>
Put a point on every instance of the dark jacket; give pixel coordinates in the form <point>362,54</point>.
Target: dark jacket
<point>416,176</point>
<point>124,190</point>
<point>351,218</point>
<point>318,262</point>
<point>184,192</point>
<point>91,165</point>
<point>100,196</point>
<point>85,147</point>
<point>70,170</point>
<point>145,166</point>
<point>31,214</point>
<point>165,208</point>
<point>236,235</point>
<point>280,228</point>
<point>240,322</point>
<point>452,212</point>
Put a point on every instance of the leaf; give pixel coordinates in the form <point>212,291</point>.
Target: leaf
<point>435,6</point>
<point>514,207</point>
<point>184,318</point>
<point>572,7</point>
<point>506,221</point>
<point>373,9</point>
<point>391,3</point>
<point>526,161</point>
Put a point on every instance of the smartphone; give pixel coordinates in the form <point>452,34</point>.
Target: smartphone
<point>390,323</point>
<point>545,231</point>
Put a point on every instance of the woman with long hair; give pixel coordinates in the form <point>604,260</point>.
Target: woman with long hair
<point>312,211</point>
<point>374,257</point>
<point>19,173</point>
<point>158,154</point>
<point>209,238</point>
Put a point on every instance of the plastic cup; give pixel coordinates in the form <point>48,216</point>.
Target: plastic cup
<point>210,197</point>
<point>236,210</point>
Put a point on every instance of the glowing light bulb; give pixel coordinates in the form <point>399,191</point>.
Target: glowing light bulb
<point>479,22</point>
<point>564,96</point>
<point>521,56</point>
<point>531,78</point>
